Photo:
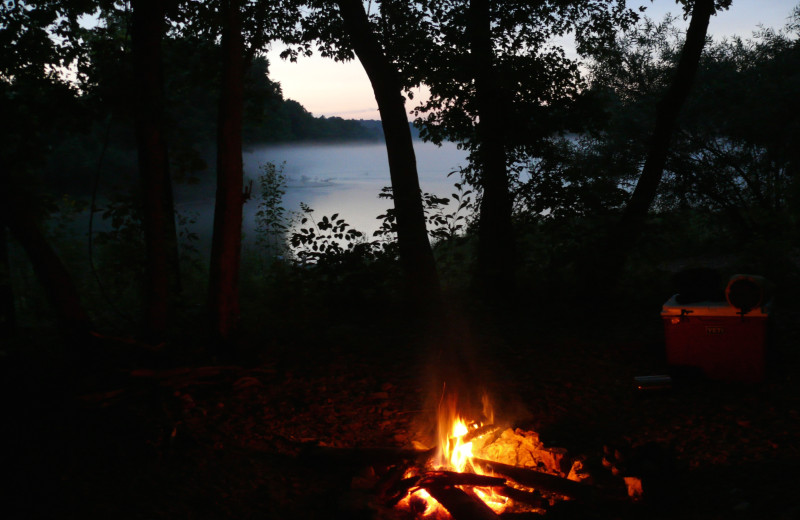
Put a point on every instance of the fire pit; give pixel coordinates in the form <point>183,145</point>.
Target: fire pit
<point>479,469</point>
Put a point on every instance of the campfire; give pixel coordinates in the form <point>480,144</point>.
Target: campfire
<point>479,470</point>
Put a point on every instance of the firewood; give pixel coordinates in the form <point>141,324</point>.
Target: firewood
<point>437,479</point>
<point>536,479</point>
<point>355,457</point>
<point>453,478</point>
<point>399,490</point>
<point>524,497</point>
<point>460,504</point>
<point>479,432</point>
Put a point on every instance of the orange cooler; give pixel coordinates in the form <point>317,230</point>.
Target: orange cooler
<point>717,338</point>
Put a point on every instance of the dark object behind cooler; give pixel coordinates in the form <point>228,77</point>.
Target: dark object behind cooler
<point>698,285</point>
<point>747,292</point>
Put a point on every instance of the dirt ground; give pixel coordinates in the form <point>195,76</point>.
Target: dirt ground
<point>283,435</point>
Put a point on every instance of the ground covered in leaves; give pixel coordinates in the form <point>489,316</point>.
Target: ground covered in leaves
<point>283,434</point>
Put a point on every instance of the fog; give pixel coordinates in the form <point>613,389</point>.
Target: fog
<point>339,178</point>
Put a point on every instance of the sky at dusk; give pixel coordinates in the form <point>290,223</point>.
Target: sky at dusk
<point>328,88</point>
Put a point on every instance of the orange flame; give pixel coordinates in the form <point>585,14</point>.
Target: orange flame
<point>453,454</point>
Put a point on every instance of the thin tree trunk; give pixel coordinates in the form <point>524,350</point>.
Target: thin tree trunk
<point>15,213</point>
<point>496,258</point>
<point>629,228</point>
<point>227,238</point>
<point>159,214</point>
<point>416,256</point>
<point>8,322</point>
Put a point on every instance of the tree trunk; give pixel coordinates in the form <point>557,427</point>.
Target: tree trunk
<point>416,256</point>
<point>16,214</point>
<point>8,323</point>
<point>496,258</point>
<point>227,238</point>
<point>159,213</point>
<point>624,236</point>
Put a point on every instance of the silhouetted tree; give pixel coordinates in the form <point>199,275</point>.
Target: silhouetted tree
<point>736,152</point>
<point>147,29</point>
<point>495,238</point>
<point>416,256</point>
<point>627,231</point>
<point>503,99</point>
<point>37,103</point>
<point>8,321</point>
<point>17,215</point>
<point>227,238</point>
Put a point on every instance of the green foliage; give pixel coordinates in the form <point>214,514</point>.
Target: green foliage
<point>729,178</point>
<point>61,220</point>
<point>120,250</point>
<point>571,176</point>
<point>386,234</point>
<point>746,160</point>
<point>189,253</point>
<point>271,219</point>
<point>736,151</point>
<point>37,101</point>
<point>328,241</point>
<point>330,249</point>
<point>442,222</point>
<point>534,79</point>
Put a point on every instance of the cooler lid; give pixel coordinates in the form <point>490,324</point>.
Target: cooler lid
<point>673,308</point>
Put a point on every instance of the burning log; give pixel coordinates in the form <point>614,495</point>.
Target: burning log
<point>399,490</point>
<point>480,432</point>
<point>440,479</point>
<point>537,479</point>
<point>460,504</point>
<point>525,497</point>
<point>453,478</point>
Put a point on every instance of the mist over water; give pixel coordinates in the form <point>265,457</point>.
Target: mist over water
<point>341,178</point>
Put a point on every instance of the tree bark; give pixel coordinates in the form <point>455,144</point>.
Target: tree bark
<point>159,214</point>
<point>227,237</point>
<point>8,322</point>
<point>496,258</point>
<point>16,214</point>
<point>416,256</point>
<point>629,227</point>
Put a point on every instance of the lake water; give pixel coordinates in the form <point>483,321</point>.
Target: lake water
<point>332,178</point>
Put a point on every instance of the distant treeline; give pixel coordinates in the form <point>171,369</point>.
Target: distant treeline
<point>101,138</point>
<point>193,92</point>
<point>290,121</point>
<point>192,89</point>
